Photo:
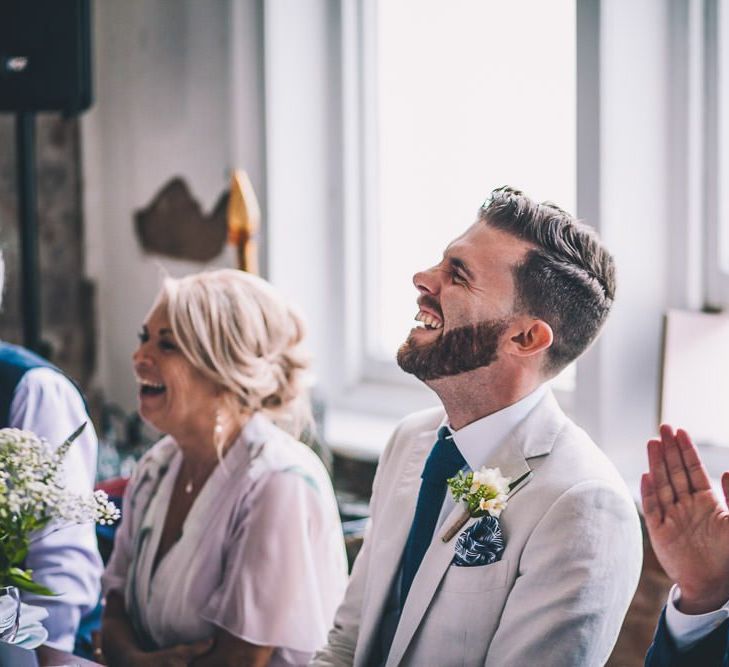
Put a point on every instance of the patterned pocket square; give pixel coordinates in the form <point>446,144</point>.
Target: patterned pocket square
<point>481,544</point>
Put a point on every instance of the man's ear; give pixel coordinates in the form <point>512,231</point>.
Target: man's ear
<point>530,337</point>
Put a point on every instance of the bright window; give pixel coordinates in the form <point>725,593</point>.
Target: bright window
<point>460,97</point>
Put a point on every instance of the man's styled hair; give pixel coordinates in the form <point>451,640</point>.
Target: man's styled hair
<point>567,279</point>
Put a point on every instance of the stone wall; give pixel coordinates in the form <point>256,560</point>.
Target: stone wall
<point>66,297</point>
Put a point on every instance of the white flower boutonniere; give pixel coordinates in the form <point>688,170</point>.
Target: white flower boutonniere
<point>484,491</point>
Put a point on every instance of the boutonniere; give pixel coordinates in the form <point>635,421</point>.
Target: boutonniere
<point>482,492</point>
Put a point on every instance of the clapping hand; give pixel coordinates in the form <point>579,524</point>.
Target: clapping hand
<point>687,524</point>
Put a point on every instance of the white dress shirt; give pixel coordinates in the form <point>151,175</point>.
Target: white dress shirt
<point>477,440</point>
<point>66,561</point>
<point>687,629</point>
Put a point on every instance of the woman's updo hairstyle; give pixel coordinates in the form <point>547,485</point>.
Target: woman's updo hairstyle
<point>236,329</point>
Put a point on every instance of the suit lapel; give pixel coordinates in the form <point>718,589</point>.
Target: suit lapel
<point>533,437</point>
<point>389,542</point>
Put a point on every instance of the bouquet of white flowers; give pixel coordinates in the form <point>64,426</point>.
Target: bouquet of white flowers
<point>33,497</point>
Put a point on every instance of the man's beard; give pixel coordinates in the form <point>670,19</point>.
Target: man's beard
<point>454,352</point>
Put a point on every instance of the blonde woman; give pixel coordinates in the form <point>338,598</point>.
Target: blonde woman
<point>230,550</point>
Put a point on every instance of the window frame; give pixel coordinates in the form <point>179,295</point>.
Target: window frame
<point>716,216</point>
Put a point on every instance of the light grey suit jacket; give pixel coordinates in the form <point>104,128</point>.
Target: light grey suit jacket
<point>558,595</point>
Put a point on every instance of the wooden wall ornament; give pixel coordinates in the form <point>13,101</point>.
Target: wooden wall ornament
<point>244,221</point>
<point>173,224</point>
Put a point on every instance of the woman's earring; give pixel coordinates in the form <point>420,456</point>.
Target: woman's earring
<point>218,432</point>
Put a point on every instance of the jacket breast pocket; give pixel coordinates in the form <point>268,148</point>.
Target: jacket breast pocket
<point>475,579</point>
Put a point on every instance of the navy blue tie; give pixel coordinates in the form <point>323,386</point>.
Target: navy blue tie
<point>443,462</point>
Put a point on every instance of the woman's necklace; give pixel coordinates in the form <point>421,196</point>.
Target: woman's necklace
<point>190,486</point>
<point>218,433</point>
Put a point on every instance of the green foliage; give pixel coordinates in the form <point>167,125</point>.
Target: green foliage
<point>23,579</point>
<point>461,486</point>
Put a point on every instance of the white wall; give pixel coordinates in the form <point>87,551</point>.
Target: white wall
<point>304,168</point>
<point>648,212</point>
<point>178,93</point>
<point>634,215</point>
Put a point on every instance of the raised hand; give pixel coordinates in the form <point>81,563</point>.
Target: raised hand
<point>687,524</point>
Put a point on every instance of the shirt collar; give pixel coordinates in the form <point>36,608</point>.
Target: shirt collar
<point>477,440</point>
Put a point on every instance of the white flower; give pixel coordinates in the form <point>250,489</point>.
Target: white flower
<point>491,478</point>
<point>32,489</point>
<point>484,491</point>
<point>106,511</point>
<point>494,506</point>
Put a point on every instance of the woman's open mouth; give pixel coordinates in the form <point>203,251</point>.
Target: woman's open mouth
<point>149,388</point>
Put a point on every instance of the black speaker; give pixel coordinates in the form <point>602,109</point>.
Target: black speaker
<point>45,55</point>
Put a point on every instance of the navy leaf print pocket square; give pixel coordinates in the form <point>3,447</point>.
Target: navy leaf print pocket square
<point>481,544</point>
